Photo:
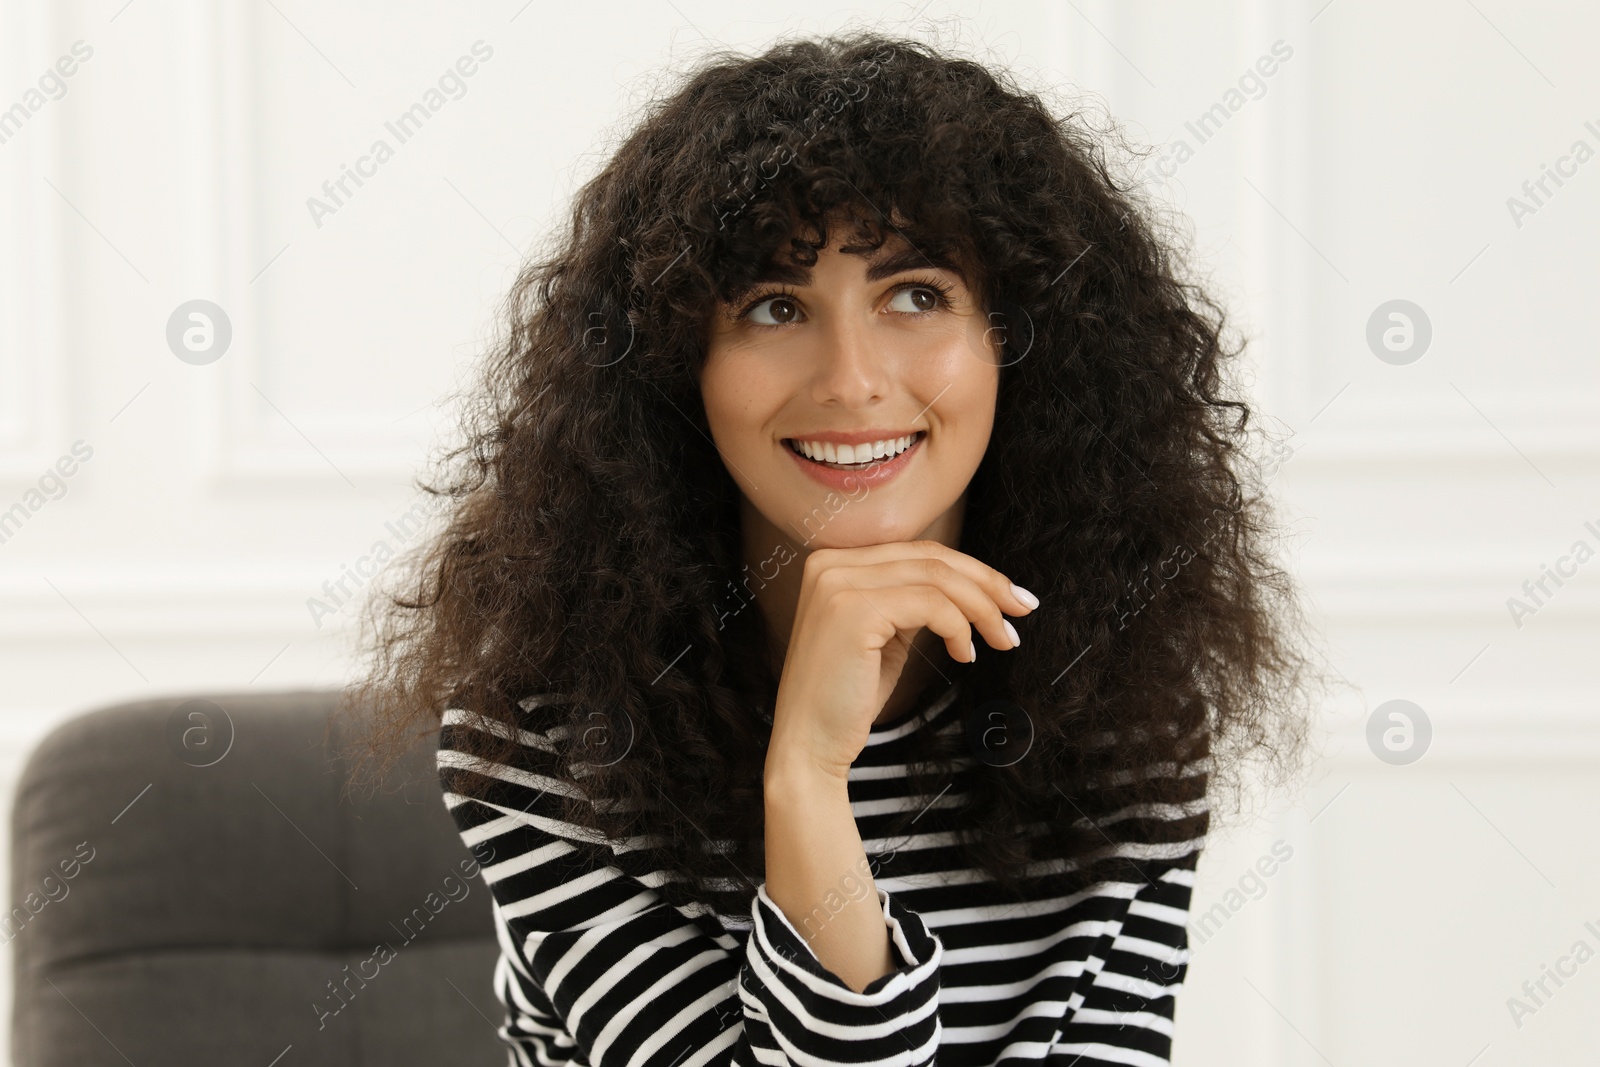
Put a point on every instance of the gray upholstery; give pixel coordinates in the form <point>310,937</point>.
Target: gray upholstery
<point>215,909</point>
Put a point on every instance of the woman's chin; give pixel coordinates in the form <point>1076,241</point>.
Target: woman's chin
<point>859,535</point>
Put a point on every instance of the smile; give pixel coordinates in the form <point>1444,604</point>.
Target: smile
<point>896,454</point>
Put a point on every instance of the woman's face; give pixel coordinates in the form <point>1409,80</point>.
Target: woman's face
<point>862,349</point>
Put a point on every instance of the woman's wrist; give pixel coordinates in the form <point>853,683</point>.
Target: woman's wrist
<point>791,773</point>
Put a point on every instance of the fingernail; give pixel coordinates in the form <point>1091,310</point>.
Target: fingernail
<point>1024,596</point>
<point>1012,631</point>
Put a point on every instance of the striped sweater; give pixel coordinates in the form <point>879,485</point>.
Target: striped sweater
<point>596,969</point>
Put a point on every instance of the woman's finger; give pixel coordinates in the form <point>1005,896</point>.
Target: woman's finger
<point>1012,598</point>
<point>974,601</point>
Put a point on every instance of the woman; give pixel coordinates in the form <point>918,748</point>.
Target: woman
<point>850,346</point>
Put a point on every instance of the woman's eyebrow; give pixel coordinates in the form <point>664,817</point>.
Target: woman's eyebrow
<point>901,259</point>
<point>909,258</point>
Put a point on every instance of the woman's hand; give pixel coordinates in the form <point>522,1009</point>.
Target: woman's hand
<point>859,611</point>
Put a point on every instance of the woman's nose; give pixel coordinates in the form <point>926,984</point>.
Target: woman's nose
<point>851,362</point>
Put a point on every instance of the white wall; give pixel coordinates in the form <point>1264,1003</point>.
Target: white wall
<point>1376,165</point>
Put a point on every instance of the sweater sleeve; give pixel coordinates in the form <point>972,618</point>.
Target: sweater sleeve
<point>597,968</point>
<point>808,1012</point>
<point>1126,999</point>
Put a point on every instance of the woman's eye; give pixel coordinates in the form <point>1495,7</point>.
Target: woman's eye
<point>781,309</point>
<point>784,314</point>
<point>922,299</point>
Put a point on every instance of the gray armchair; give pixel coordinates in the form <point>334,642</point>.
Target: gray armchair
<point>188,887</point>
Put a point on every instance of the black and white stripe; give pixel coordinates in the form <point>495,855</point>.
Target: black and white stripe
<point>597,969</point>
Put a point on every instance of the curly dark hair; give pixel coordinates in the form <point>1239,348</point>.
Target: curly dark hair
<point>593,537</point>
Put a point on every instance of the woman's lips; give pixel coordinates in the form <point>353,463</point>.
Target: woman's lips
<point>874,475</point>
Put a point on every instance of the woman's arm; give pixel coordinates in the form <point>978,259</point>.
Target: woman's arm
<point>817,873</point>
<point>858,616</point>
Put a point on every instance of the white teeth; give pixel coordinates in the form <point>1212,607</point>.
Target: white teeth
<point>827,452</point>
